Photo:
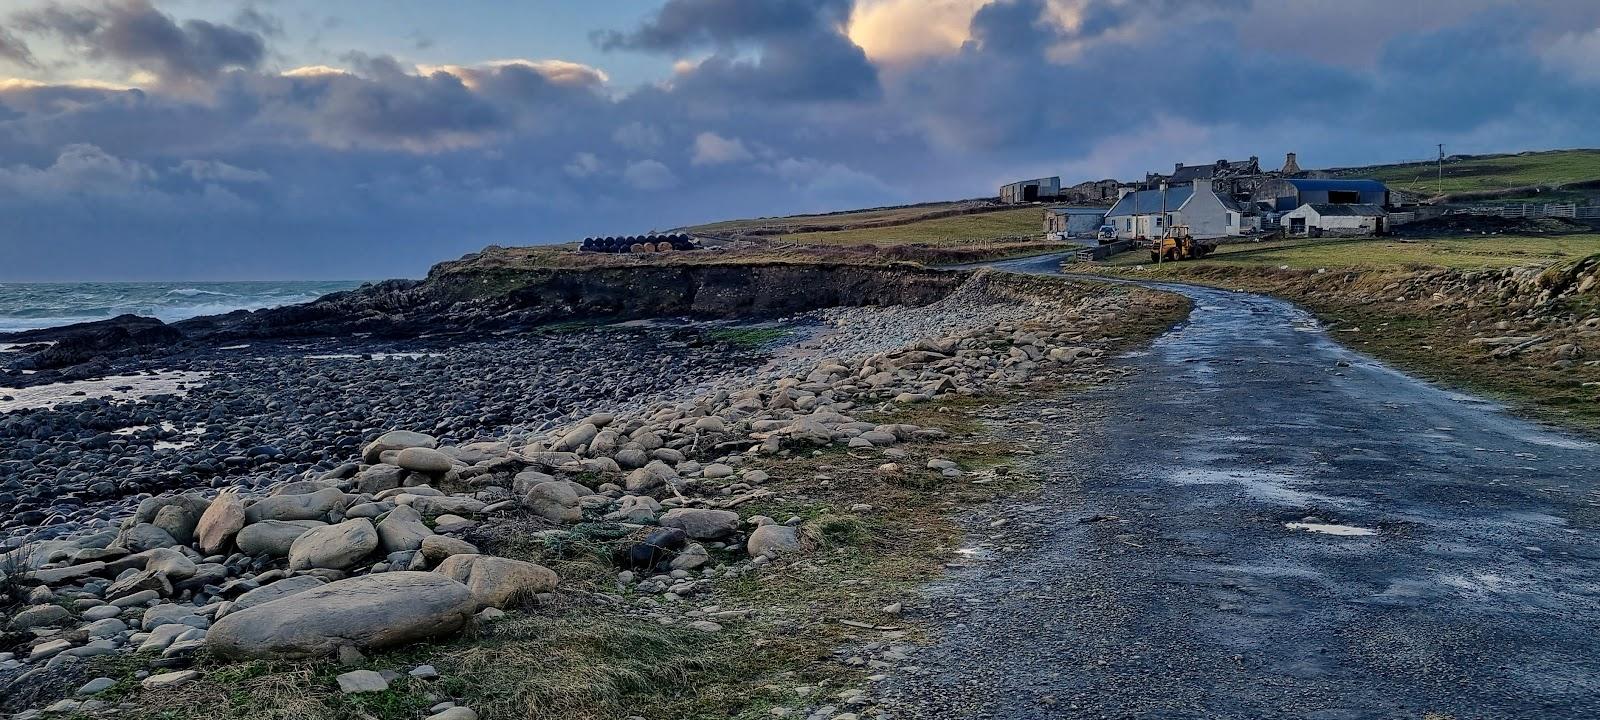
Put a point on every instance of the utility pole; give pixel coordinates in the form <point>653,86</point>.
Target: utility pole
<point>1441,167</point>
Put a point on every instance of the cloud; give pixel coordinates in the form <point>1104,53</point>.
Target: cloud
<point>798,49</point>
<point>556,72</point>
<point>80,170</point>
<point>1577,54</point>
<point>713,149</point>
<point>583,165</point>
<point>649,175</point>
<point>217,171</point>
<point>879,27</point>
<point>360,163</point>
<point>636,135</point>
<point>133,33</point>
<point>14,50</point>
<point>685,24</point>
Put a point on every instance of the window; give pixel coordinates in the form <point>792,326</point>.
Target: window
<point>1158,221</point>
<point>1232,220</point>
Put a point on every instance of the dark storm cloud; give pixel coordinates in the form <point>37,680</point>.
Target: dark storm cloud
<point>801,53</point>
<point>686,24</point>
<point>134,33</point>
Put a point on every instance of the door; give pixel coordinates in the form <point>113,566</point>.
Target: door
<point>1297,226</point>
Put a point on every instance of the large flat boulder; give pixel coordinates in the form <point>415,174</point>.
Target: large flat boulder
<point>275,591</point>
<point>367,612</point>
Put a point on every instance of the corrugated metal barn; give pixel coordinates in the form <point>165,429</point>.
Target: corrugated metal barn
<point>1030,190</point>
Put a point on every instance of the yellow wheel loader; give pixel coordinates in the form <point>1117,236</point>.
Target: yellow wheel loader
<point>1178,244</point>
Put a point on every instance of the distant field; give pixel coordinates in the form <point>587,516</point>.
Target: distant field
<point>959,229</point>
<point>1453,252</point>
<point>1496,172</point>
<point>896,214</point>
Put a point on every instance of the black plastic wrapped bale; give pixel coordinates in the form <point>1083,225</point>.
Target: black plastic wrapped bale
<point>655,551</point>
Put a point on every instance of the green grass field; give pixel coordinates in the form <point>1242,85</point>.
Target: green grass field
<point>959,229</point>
<point>895,214</point>
<point>1496,172</point>
<point>1382,253</point>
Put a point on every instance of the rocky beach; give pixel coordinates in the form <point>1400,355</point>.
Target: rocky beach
<point>448,479</point>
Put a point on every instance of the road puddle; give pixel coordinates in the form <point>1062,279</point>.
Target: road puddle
<point>1331,529</point>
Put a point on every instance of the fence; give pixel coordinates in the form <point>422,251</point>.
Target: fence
<point>1533,210</point>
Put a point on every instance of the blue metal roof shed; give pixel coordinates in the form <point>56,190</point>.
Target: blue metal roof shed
<point>1286,194</point>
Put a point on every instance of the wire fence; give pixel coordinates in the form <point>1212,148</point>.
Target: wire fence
<point>1534,210</point>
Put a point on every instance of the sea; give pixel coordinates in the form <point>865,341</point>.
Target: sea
<point>28,306</point>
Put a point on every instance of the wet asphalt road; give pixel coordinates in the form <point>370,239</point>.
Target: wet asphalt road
<point>1477,595</point>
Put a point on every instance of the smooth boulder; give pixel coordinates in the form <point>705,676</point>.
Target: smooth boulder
<point>555,501</point>
<point>424,460</point>
<point>220,522</point>
<point>367,612</point>
<point>496,581</point>
<point>773,541</point>
<point>701,524</point>
<point>334,546</point>
<point>309,506</point>
<point>273,538</point>
<point>396,440</point>
<point>402,529</point>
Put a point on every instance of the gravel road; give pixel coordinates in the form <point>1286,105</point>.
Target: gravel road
<point>1449,570</point>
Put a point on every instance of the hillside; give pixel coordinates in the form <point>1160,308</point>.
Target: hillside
<point>1563,175</point>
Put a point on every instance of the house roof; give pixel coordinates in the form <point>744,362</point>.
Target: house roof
<point>1076,211</point>
<point>1358,210</point>
<point>1194,172</point>
<point>1303,184</point>
<point>1148,202</point>
<point>1235,205</point>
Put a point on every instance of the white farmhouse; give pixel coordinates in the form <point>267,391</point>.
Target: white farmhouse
<point>1329,219</point>
<point>1147,213</point>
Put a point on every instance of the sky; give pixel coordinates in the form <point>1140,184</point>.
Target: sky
<point>363,139</point>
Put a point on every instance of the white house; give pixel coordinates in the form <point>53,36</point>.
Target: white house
<point>1147,213</point>
<point>1328,219</point>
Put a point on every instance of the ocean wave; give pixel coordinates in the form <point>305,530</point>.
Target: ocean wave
<point>29,307</point>
<point>191,292</point>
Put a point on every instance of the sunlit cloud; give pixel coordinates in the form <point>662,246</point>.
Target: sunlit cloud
<point>9,84</point>
<point>558,72</point>
<point>895,31</point>
<point>314,71</point>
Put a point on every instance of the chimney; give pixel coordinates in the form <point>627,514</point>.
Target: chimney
<point>1290,167</point>
<point>1123,192</point>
